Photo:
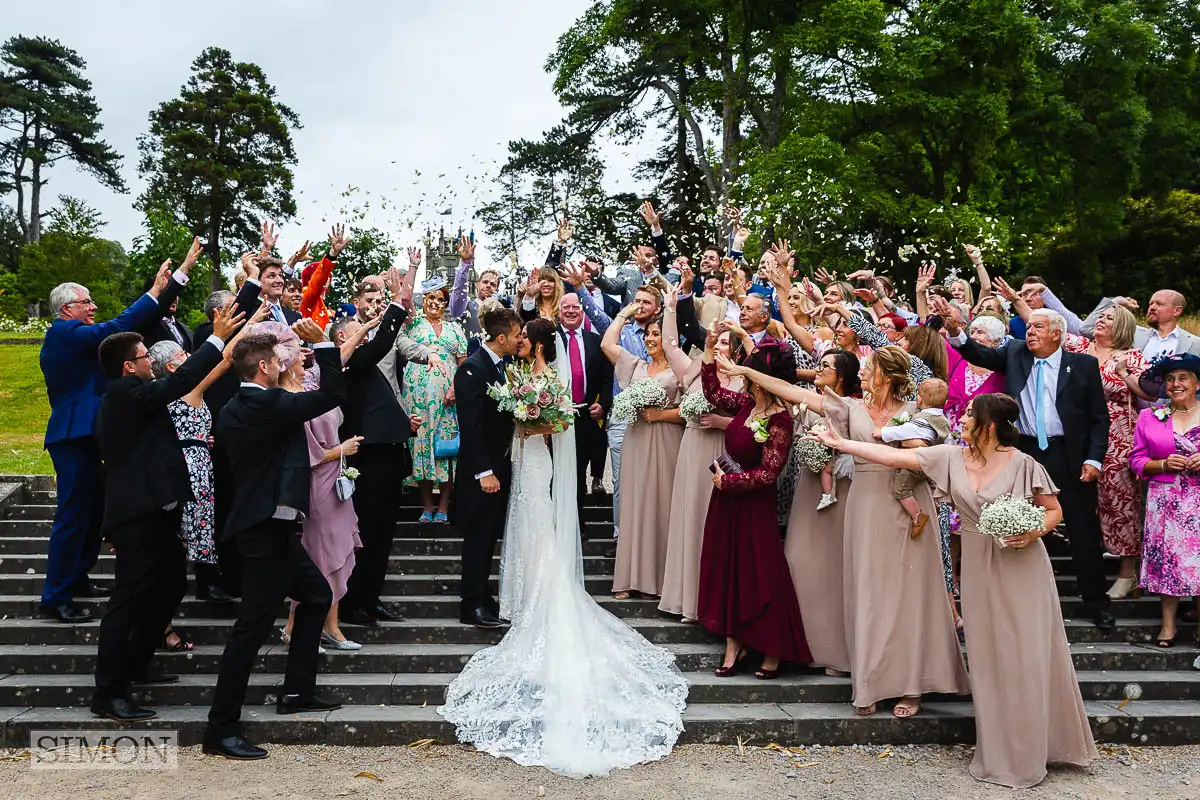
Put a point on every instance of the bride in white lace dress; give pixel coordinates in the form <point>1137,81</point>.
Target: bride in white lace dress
<point>570,687</point>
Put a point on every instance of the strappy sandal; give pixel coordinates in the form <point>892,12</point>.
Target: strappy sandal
<point>866,711</point>
<point>905,710</point>
<point>182,646</point>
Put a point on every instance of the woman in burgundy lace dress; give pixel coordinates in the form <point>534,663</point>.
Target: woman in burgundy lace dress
<point>746,592</point>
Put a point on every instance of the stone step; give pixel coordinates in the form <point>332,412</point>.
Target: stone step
<point>593,529</point>
<point>396,583</point>
<point>661,629</point>
<point>446,605</point>
<point>385,688</point>
<point>80,658</point>
<point>789,724</point>
<point>410,503</point>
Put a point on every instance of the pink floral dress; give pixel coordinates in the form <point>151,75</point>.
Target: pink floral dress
<point>1120,492</point>
<point>1171,555</point>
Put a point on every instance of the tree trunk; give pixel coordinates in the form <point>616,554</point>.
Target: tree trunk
<point>213,248</point>
<point>35,204</point>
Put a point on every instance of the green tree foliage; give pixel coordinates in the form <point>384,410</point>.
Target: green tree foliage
<point>370,252</point>
<point>219,157</point>
<point>72,250</point>
<point>11,240</point>
<point>47,115</point>
<point>163,239</point>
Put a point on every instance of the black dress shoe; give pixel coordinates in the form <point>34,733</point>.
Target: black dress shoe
<point>233,747</point>
<point>66,612</point>
<point>387,612</point>
<point>292,704</point>
<point>1104,619</point>
<point>152,676</point>
<point>121,710</point>
<point>213,594</point>
<point>91,590</point>
<point>358,616</point>
<point>481,618</point>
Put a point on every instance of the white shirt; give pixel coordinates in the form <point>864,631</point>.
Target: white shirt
<point>495,360</point>
<point>911,429</point>
<point>566,340</point>
<point>1157,344</point>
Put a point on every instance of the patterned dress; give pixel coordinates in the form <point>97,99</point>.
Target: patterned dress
<point>425,395</point>
<point>1171,553</point>
<point>1120,493</point>
<point>193,426</point>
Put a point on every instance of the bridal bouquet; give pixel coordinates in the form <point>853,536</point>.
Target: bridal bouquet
<point>646,393</point>
<point>1010,516</point>
<point>693,405</point>
<point>534,400</point>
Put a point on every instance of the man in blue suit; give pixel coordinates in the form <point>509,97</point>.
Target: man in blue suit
<point>75,383</point>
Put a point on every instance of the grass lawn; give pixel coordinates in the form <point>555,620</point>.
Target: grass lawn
<point>23,412</point>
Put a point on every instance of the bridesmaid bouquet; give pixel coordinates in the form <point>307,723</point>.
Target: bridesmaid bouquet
<point>646,393</point>
<point>534,400</point>
<point>1010,516</point>
<point>693,405</point>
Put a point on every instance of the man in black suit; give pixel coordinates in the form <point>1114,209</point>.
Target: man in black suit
<point>169,329</point>
<point>372,411</point>
<point>591,382</point>
<point>271,277</point>
<point>484,474</point>
<point>1064,425</point>
<point>146,487</point>
<point>263,431</point>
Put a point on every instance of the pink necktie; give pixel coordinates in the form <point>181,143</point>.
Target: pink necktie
<point>576,368</point>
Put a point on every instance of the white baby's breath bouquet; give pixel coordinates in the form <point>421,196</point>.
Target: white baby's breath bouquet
<point>1010,516</point>
<point>814,455</point>
<point>693,405</point>
<point>646,393</point>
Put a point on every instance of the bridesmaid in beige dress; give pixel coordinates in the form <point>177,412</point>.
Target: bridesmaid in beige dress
<point>899,629</point>
<point>691,490</point>
<point>648,458</point>
<point>1028,709</point>
<point>814,546</point>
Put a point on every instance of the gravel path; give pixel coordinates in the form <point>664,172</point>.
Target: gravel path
<point>710,772</point>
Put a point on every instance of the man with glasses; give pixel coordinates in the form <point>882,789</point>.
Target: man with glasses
<point>75,383</point>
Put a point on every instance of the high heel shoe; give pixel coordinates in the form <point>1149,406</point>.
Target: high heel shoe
<point>287,640</point>
<point>339,644</point>
<point>732,669</point>
<point>1124,587</point>
<point>764,674</point>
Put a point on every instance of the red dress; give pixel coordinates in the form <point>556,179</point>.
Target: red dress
<point>1119,501</point>
<point>746,589</point>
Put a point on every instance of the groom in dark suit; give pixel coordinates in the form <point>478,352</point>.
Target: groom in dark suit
<point>484,474</point>
<point>590,376</point>
<point>1063,424</point>
<point>263,431</point>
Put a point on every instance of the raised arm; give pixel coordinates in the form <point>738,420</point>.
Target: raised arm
<point>573,276</point>
<point>992,358</point>
<point>611,343</point>
<point>782,389</point>
<point>1074,323</point>
<point>678,359</point>
<point>781,277</point>
<point>868,451</point>
<point>294,408</point>
<point>976,256</point>
<point>723,400</point>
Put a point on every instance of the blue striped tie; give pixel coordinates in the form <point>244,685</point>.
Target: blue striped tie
<point>1039,410</point>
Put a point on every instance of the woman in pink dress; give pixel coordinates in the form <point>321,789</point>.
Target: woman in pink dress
<point>968,381</point>
<point>1166,452</point>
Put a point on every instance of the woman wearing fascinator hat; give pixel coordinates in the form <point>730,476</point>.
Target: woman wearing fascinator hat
<point>429,394</point>
<point>1166,453</point>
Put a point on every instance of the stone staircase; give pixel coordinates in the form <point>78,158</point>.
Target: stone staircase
<point>1134,692</point>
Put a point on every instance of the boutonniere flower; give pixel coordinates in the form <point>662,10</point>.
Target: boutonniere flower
<point>1162,412</point>
<point>800,409</point>
<point>761,431</point>
<point>900,418</point>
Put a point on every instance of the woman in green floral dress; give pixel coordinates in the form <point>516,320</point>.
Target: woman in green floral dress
<point>429,393</point>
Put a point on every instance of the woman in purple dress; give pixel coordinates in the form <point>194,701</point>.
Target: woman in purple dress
<point>746,592</point>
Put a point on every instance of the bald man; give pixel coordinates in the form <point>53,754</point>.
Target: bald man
<point>1163,334</point>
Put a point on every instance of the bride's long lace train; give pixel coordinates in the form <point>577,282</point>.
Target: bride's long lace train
<point>570,687</point>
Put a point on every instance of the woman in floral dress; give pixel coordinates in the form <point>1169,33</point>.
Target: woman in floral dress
<point>1166,452</point>
<point>1120,492</point>
<point>429,393</point>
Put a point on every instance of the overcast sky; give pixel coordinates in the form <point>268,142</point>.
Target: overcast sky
<point>383,89</point>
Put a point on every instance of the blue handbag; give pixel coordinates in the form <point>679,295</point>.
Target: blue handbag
<point>446,448</point>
